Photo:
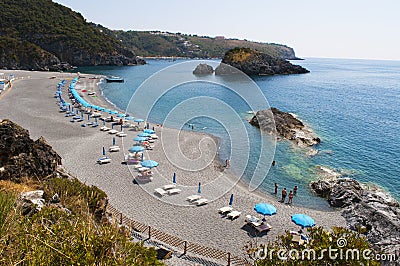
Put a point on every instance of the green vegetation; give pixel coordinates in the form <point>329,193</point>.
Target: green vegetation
<point>156,43</point>
<point>58,30</point>
<point>66,233</point>
<point>339,240</point>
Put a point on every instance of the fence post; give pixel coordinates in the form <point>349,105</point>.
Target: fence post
<point>229,258</point>
<point>120,218</point>
<point>184,247</point>
<point>149,231</point>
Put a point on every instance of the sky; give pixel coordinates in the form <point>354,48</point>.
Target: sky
<point>364,29</point>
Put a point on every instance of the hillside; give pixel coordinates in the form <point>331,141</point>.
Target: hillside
<point>156,43</point>
<point>40,34</point>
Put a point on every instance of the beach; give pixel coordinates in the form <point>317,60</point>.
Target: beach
<point>30,103</point>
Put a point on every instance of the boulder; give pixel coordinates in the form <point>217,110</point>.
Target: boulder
<point>285,125</point>
<point>203,69</point>
<point>31,202</point>
<point>21,157</point>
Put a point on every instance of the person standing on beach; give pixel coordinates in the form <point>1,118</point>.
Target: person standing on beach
<point>290,197</point>
<point>295,190</point>
<point>276,188</point>
<point>283,195</point>
<point>227,163</point>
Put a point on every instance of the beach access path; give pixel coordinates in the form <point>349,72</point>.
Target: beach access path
<point>31,104</point>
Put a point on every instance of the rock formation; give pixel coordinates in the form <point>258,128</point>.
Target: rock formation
<point>253,62</point>
<point>22,157</point>
<point>371,209</point>
<point>203,69</point>
<point>285,125</point>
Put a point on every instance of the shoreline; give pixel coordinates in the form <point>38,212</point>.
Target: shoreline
<point>31,104</point>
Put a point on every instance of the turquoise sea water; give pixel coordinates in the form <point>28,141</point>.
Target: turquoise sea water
<point>353,105</point>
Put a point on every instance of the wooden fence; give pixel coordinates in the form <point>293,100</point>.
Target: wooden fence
<point>185,247</point>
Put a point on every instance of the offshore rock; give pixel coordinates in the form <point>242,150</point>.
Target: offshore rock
<point>203,69</point>
<point>253,62</point>
<point>21,157</point>
<point>285,125</point>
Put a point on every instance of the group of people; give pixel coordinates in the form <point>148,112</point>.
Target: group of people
<point>292,193</point>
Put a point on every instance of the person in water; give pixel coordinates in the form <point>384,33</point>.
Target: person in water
<point>290,197</point>
<point>276,188</point>
<point>284,192</point>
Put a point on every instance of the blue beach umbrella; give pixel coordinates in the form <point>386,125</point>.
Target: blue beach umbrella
<point>113,112</point>
<point>174,179</point>
<point>130,118</point>
<point>303,220</point>
<point>231,200</point>
<point>140,139</point>
<point>144,135</point>
<point>136,149</point>
<point>199,188</point>
<point>138,120</point>
<point>149,164</point>
<point>113,142</point>
<point>104,151</point>
<point>121,115</point>
<point>265,209</point>
<point>149,131</point>
<point>142,157</point>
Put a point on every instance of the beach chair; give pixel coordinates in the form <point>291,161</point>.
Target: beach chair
<point>113,131</point>
<point>263,227</point>
<point>254,221</point>
<point>168,187</point>
<point>234,214</point>
<point>121,134</point>
<point>143,179</point>
<point>114,148</point>
<point>193,198</point>
<point>103,160</point>
<point>174,191</point>
<point>201,202</point>
<point>160,192</point>
<point>225,210</point>
<point>104,128</point>
<point>153,136</point>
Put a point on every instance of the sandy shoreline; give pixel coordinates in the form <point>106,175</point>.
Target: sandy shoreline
<point>30,103</point>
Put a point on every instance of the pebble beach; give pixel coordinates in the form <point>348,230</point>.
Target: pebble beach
<point>30,103</point>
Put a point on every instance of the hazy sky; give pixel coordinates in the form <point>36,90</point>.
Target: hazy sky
<point>314,28</point>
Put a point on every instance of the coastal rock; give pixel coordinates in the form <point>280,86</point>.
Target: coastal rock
<point>21,157</point>
<point>372,209</point>
<point>203,69</point>
<point>285,125</point>
<point>31,202</point>
<point>253,62</point>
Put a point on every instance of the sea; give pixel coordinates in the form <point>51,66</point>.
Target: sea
<point>352,105</point>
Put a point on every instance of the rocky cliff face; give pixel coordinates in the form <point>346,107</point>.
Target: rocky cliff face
<point>371,209</point>
<point>203,69</point>
<point>21,157</point>
<point>285,125</point>
<point>253,62</point>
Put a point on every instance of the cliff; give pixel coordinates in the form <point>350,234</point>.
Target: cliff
<point>285,125</point>
<point>41,34</point>
<point>253,62</point>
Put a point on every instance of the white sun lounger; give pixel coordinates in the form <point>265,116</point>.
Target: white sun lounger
<point>174,191</point>
<point>121,134</point>
<point>201,202</point>
<point>114,148</point>
<point>193,198</point>
<point>161,192</point>
<point>225,209</point>
<point>113,131</point>
<point>234,214</point>
<point>104,128</point>
<point>167,187</point>
<point>153,136</point>
<point>104,160</point>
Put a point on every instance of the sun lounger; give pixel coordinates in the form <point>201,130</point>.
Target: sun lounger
<point>254,221</point>
<point>234,214</point>
<point>104,128</point>
<point>143,179</point>
<point>263,227</point>
<point>159,191</point>
<point>174,191</point>
<point>201,202</point>
<point>225,210</point>
<point>167,187</point>
<point>113,131</point>
<point>121,134</point>
<point>193,198</point>
<point>114,148</point>
<point>143,169</point>
<point>153,136</point>
<point>103,160</point>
